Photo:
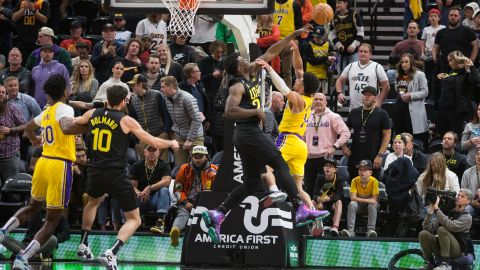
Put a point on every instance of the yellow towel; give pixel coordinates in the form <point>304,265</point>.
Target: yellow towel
<point>416,8</point>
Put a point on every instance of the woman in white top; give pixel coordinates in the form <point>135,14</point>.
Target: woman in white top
<point>437,176</point>
<point>117,72</point>
<point>399,144</point>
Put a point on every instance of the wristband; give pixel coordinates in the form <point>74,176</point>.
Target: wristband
<point>380,154</point>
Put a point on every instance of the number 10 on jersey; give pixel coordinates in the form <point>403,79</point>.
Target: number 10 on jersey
<point>101,140</point>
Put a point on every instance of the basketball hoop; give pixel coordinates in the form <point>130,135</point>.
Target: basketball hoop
<point>182,14</point>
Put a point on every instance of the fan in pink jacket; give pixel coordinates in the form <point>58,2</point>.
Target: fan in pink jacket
<point>326,132</point>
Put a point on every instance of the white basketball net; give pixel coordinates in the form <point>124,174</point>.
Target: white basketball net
<point>182,13</point>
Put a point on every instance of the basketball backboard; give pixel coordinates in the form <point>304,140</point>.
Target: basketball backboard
<point>242,7</point>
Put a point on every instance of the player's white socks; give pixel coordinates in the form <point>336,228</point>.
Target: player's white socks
<point>31,249</point>
<point>11,224</point>
<point>273,188</point>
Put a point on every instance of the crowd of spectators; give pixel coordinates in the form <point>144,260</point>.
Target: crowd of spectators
<point>178,91</point>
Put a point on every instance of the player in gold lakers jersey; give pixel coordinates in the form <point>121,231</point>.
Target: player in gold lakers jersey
<point>52,178</point>
<point>297,110</point>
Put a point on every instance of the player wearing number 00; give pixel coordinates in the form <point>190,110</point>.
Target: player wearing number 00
<point>108,140</point>
<point>52,179</point>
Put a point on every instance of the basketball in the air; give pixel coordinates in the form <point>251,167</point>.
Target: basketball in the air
<point>322,14</point>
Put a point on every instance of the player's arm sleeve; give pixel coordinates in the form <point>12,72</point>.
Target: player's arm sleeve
<point>64,111</point>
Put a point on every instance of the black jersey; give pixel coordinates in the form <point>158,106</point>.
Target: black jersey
<point>250,99</point>
<point>346,27</point>
<point>107,143</point>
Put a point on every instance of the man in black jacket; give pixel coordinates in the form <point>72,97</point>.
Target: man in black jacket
<point>456,162</point>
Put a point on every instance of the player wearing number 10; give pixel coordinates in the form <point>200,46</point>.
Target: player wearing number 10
<point>52,179</point>
<point>108,142</point>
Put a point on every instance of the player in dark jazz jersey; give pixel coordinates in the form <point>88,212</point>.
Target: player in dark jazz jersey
<point>108,141</point>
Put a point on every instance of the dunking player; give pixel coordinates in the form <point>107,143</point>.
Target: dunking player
<point>52,178</point>
<point>294,122</point>
<point>108,142</point>
<point>255,147</point>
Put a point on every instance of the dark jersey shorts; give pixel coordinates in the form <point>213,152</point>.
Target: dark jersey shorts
<point>114,182</point>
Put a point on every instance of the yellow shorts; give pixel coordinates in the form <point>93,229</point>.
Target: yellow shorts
<point>294,151</point>
<point>52,182</point>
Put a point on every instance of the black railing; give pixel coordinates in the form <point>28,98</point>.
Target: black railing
<point>373,13</point>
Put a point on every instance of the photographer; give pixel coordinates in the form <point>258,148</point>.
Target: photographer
<point>452,243</point>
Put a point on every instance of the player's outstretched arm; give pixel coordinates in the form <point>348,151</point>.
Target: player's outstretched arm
<point>75,126</point>
<point>232,108</point>
<point>294,98</point>
<point>297,61</point>
<point>30,133</point>
<point>130,125</point>
<point>279,46</point>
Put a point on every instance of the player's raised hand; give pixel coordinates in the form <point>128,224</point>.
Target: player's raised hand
<point>262,63</point>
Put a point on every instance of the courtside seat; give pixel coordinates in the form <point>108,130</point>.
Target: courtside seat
<point>98,23</point>
<point>15,194</point>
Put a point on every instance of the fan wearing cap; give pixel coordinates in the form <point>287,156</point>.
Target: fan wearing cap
<point>371,133</point>
<point>181,52</point>
<point>45,37</point>
<point>76,31</point>
<point>476,23</point>
<point>326,195</point>
<point>316,53</point>
<point>192,178</point>
<point>122,35</point>
<point>105,52</point>
<point>148,107</point>
<point>468,12</point>
<point>29,17</point>
<point>151,179</point>
<point>47,67</point>
<point>363,198</point>
<point>399,148</point>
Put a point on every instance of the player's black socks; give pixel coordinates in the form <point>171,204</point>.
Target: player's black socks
<point>116,247</point>
<point>161,216</point>
<point>296,202</point>
<point>84,238</point>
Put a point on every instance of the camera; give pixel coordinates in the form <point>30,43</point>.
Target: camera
<point>447,198</point>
